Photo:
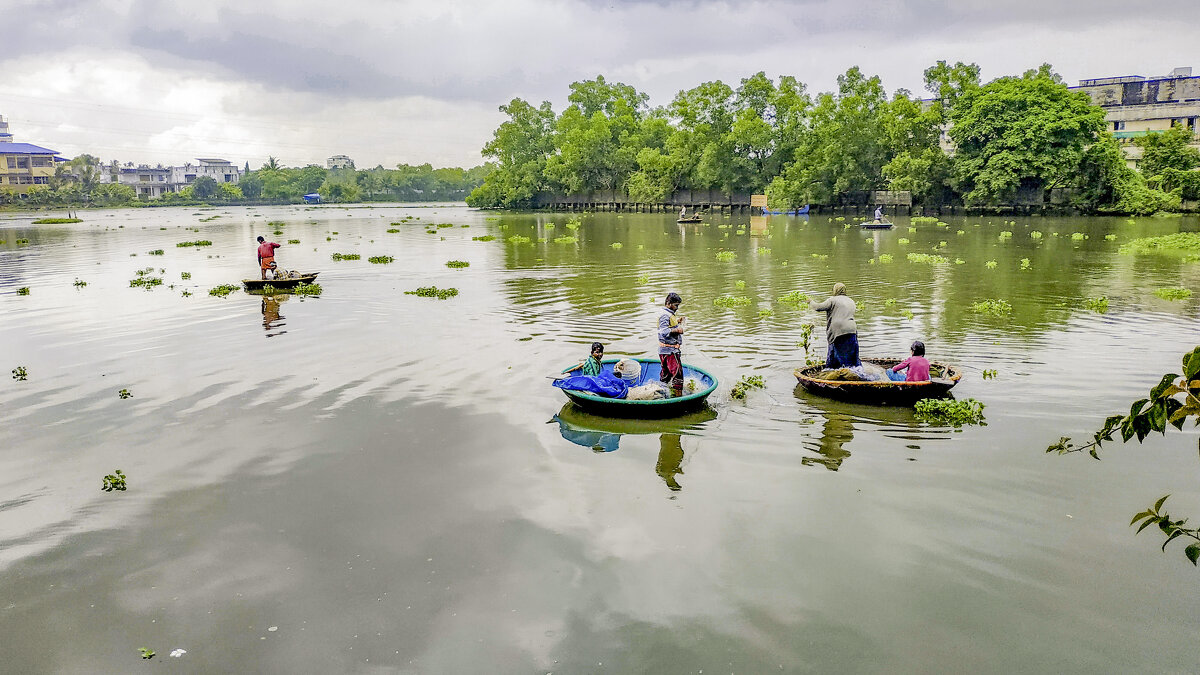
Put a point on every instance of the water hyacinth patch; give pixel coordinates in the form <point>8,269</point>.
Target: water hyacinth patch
<point>433,292</point>
<point>927,259</point>
<point>392,230</point>
<point>732,301</point>
<point>739,284</point>
<point>293,241</point>
<point>565,240</point>
<point>346,256</point>
<point>20,374</point>
<point>124,394</point>
<point>116,481</point>
<point>885,258</point>
<point>1182,241</point>
<point>380,259</point>
<point>1110,237</point>
<point>616,244</point>
<point>993,306</point>
<point>644,279</point>
<point>56,221</point>
<point>991,264</point>
<point>306,289</point>
<point>764,251</point>
<point>1005,235</point>
<point>1099,304</point>
<point>763,313</point>
<point>1078,236</point>
<point>515,239</point>
<point>457,263</point>
<point>926,220</point>
<point>573,224</point>
<point>744,385</point>
<point>903,241</point>
<point>223,290</point>
<point>185,275</point>
<point>1176,293</point>
<point>1025,263</point>
<point>726,256</point>
<point>1035,235</point>
<point>186,244</point>
<point>950,411</point>
<point>157,251</point>
<point>80,283</point>
<point>146,282</point>
<point>794,298</point>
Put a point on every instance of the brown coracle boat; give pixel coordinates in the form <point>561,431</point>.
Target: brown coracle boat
<point>881,393</point>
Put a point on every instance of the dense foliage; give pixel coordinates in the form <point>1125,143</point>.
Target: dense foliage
<point>1014,136</point>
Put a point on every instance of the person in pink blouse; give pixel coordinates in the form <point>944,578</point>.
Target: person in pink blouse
<point>917,366</point>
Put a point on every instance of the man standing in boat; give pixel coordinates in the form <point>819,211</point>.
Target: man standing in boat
<point>670,344</point>
<point>879,214</point>
<point>266,256</point>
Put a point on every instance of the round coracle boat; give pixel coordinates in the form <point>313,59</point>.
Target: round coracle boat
<point>881,392</point>
<point>690,402</point>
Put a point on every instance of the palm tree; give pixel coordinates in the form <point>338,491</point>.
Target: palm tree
<point>272,164</point>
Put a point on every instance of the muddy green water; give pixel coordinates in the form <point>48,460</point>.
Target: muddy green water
<point>370,481</point>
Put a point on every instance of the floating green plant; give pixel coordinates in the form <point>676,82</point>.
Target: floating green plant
<point>549,226</point>
<point>765,312</point>
<point>56,221</point>
<point>293,241</point>
<point>445,225</point>
<point>890,302</point>
<point>1035,235</point>
<point>1005,235</point>
<point>961,232</point>
<point>393,230</point>
<point>306,289</point>
<point>908,314</point>
<point>20,374</point>
<point>1025,263</point>
<point>1099,304</point>
<point>124,393</point>
<point>1078,236</point>
<point>764,251</point>
<point>1175,293</point>
<point>573,224</point>
<point>346,256</point>
<point>726,256</point>
<point>565,240</point>
<point>912,230</point>
<point>928,259</point>
<point>617,244</point>
<point>486,237</point>
<point>185,275</point>
<point>223,290</point>
<point>116,481</point>
<point>145,282</point>
<point>950,411</point>
<point>903,241</point>
<point>1181,241</point>
<point>794,298</point>
<point>146,652</point>
<point>994,306</point>
<point>515,239</point>
<point>457,263</point>
<point>157,251</point>
<point>22,242</point>
<point>434,292</point>
<point>1110,237</point>
<point>186,294</point>
<point>644,279</point>
<point>991,264</point>
<point>744,385</point>
<point>185,244</point>
<point>885,258</point>
<point>732,301</point>
<point>381,259</point>
<point>923,220</point>
<point>989,374</point>
<point>80,283</point>
<point>739,284</point>
<point>820,256</point>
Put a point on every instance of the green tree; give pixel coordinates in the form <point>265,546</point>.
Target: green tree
<point>919,164</point>
<point>113,194</point>
<point>272,164</point>
<point>1107,185</point>
<point>1168,149</point>
<point>597,137</point>
<point>1015,132</point>
<point>87,170</point>
<point>251,185</point>
<point>520,146</point>
<point>204,187</point>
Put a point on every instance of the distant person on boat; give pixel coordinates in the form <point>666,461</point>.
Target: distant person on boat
<point>682,212</point>
<point>266,256</point>
<point>917,366</point>
<point>670,343</point>
<point>879,214</point>
<point>840,330</point>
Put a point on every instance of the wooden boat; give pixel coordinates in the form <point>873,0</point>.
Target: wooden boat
<point>876,226</point>
<point>690,219</point>
<point>280,284</point>
<point>658,409</point>
<point>881,393</point>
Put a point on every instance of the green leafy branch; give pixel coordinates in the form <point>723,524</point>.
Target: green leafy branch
<point>1172,528</point>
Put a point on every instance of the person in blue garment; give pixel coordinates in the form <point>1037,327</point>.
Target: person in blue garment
<point>841,333</point>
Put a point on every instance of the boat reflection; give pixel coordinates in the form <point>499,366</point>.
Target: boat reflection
<point>841,419</point>
<point>603,434</point>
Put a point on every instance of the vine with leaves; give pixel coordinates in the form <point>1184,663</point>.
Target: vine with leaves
<point>1171,402</point>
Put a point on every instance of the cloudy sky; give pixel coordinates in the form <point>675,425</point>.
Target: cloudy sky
<point>390,81</point>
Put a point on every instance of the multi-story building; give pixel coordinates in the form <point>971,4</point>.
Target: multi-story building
<point>24,164</point>
<point>220,170</point>
<point>5,137</point>
<point>149,182</point>
<point>1135,105</point>
<point>339,162</point>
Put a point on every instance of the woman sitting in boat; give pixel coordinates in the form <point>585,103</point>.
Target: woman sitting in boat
<point>840,330</point>
<point>917,366</point>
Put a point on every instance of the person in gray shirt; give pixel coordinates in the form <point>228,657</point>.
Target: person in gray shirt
<point>841,332</point>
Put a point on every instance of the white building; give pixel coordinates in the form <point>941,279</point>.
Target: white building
<point>220,170</point>
<point>339,162</point>
<point>149,182</point>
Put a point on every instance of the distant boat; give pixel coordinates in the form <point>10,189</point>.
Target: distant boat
<point>869,225</point>
<point>280,284</point>
<point>802,211</point>
<point>313,198</point>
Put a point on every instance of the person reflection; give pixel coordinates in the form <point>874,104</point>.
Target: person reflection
<point>837,431</point>
<point>270,314</point>
<point>670,460</point>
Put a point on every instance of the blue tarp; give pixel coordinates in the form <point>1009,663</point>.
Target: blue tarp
<point>314,197</point>
<point>596,440</point>
<point>604,384</point>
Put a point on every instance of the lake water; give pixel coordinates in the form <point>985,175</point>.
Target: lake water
<point>370,481</point>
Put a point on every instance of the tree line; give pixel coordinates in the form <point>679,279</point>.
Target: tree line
<point>81,181</point>
<point>970,143</point>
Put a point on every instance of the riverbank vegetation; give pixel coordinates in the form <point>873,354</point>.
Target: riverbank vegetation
<point>1014,136</point>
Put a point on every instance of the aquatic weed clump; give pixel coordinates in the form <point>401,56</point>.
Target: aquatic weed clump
<point>56,221</point>
<point>515,239</point>
<point>20,374</point>
<point>146,282</point>
<point>223,290</point>
<point>186,244</point>
<point>565,240</point>
<point>794,298</point>
<point>923,220</point>
<point>726,256</point>
<point>157,251</point>
<point>993,306</point>
<point>116,481</point>
<point>1099,304</point>
<point>307,289</point>
<point>346,256</point>
<point>744,385</point>
<point>927,259</point>
<point>488,237</point>
<point>434,292</point>
<point>457,264</point>
<point>24,290</point>
<point>1175,293</point>
<point>381,259</point>
<point>1181,241</point>
<point>950,411</point>
<point>732,301</point>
